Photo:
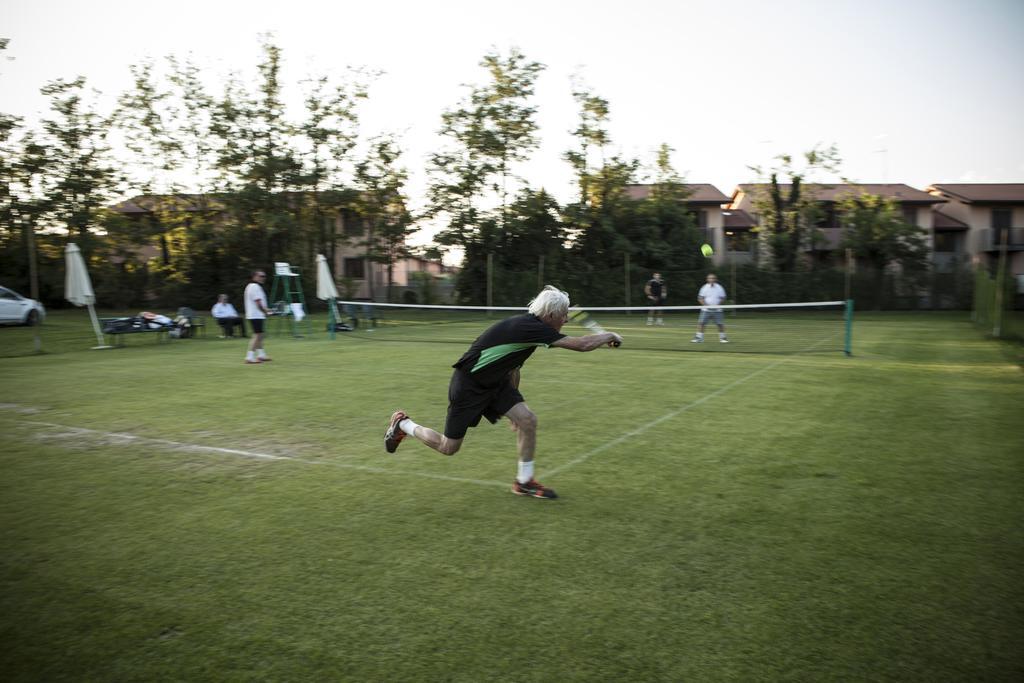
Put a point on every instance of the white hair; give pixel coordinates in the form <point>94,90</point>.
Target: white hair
<point>550,301</point>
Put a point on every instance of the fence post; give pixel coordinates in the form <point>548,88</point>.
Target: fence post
<point>848,274</point>
<point>735,298</point>
<point>490,281</point>
<point>627,280</point>
<point>997,313</point>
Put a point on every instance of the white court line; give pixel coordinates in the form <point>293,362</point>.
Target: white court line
<point>668,416</point>
<point>167,444</point>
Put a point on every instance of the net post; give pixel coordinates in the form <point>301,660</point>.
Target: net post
<point>332,317</point>
<point>848,341</point>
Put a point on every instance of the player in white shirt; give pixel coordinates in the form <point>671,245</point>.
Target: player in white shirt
<point>256,313</point>
<point>710,296</point>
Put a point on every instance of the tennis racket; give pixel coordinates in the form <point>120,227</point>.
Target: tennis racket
<point>581,317</point>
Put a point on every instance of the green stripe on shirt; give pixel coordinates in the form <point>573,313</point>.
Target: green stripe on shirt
<point>495,353</point>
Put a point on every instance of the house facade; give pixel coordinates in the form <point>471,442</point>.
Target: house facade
<point>918,208</point>
<point>983,215</point>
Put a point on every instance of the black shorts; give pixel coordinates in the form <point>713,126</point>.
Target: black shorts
<point>469,401</point>
<point>257,325</point>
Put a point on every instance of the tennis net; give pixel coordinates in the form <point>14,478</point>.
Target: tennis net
<point>808,327</point>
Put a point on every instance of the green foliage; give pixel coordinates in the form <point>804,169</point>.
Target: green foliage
<point>788,207</point>
<point>382,206</point>
<point>874,228</point>
<point>486,134</point>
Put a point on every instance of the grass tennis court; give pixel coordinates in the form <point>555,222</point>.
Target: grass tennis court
<point>169,513</point>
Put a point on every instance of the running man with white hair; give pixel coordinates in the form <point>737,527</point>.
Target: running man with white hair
<point>486,384</point>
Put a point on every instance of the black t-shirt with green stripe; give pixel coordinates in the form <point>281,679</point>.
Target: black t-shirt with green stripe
<point>505,346</point>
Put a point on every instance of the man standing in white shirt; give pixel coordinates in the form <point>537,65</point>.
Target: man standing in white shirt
<point>710,296</point>
<point>256,313</point>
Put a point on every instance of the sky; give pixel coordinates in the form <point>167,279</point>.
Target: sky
<point>910,91</point>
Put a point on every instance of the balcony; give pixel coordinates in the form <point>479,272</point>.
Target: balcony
<point>991,239</point>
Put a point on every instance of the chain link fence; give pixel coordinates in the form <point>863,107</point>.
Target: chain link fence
<point>745,283</point>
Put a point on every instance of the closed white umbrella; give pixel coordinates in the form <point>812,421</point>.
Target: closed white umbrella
<point>78,288</point>
<point>325,289</point>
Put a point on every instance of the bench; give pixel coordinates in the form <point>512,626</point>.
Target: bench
<point>117,335</point>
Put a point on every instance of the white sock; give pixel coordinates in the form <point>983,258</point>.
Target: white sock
<point>721,335</point>
<point>525,472</point>
<point>408,426</point>
<point>249,355</point>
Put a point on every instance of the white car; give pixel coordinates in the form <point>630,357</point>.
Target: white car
<point>19,310</point>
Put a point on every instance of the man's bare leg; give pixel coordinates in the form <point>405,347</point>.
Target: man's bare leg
<point>401,426</point>
<point>524,421</point>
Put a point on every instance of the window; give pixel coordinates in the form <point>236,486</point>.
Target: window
<point>947,242</point>
<point>737,240</point>
<point>352,223</point>
<point>355,268</point>
<point>910,214</point>
<point>1001,218</point>
<point>700,218</point>
<point>827,217</point>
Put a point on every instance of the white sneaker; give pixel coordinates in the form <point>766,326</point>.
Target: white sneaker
<point>696,340</point>
<point>660,322</point>
<point>723,340</point>
<point>650,322</point>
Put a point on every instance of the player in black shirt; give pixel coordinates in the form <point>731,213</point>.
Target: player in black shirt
<point>656,291</point>
<point>485,383</point>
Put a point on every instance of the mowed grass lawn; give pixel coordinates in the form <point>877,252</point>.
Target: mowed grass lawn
<point>169,513</point>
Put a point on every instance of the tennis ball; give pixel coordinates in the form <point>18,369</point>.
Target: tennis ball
<point>706,250</point>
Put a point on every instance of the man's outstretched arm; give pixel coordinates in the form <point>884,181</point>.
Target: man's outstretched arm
<point>588,342</point>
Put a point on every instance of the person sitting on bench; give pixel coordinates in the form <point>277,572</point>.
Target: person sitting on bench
<point>227,317</point>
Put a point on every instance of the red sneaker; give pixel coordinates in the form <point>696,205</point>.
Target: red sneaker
<point>394,435</point>
<point>532,488</point>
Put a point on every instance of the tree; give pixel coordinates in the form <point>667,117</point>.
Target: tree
<point>672,239</point>
<point>79,177</point>
<point>604,220</point>
<point>590,135</point>
<point>508,120</point>
<point>18,210</point>
<point>329,132</point>
<point>486,135</point>
<point>382,206</point>
<point>789,210</point>
<point>259,169</point>
<point>874,229</point>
